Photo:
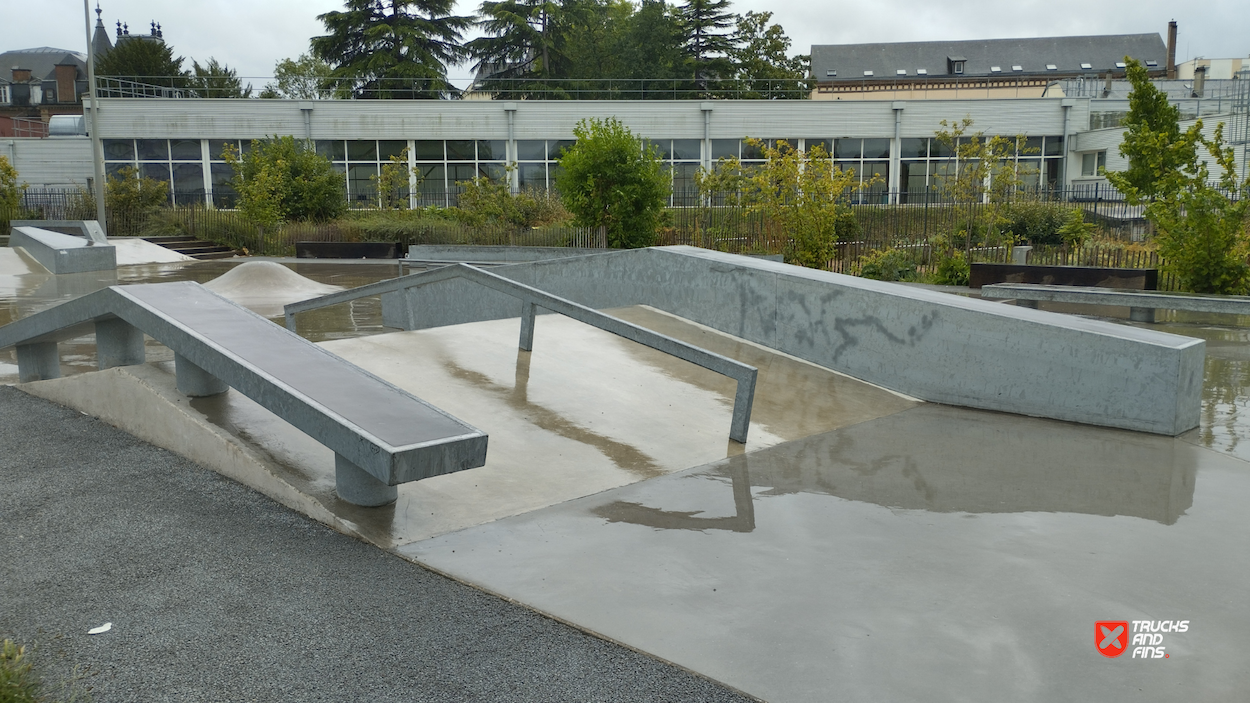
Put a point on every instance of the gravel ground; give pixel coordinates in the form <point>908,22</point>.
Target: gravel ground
<point>216,593</point>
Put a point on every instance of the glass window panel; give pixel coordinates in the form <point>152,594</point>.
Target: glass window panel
<point>724,149</point>
<point>554,172</point>
<point>153,150</point>
<point>1032,146</point>
<point>245,145</point>
<point>494,172</point>
<point>432,177</point>
<point>1054,146</point>
<point>360,185</point>
<point>531,150</point>
<point>913,175</point>
<point>391,147</point>
<point>554,147</point>
<point>683,180</point>
<point>687,150</point>
<point>533,176</point>
<point>461,172</point>
<point>428,149</point>
<point>188,179</point>
<point>1028,170</point>
<point>810,144</point>
<point>221,174</point>
<point>362,150</point>
<point>915,148</point>
<point>752,151</point>
<point>119,149</point>
<point>460,150</point>
<point>939,150</point>
<point>492,150</point>
<point>185,149</point>
<point>217,147</point>
<point>332,150</point>
<point>1088,164</point>
<point>158,171</point>
<point>847,148</point>
<point>876,148</point>
<point>224,194</point>
<point>790,143</point>
<point>114,170</point>
<point>665,148</point>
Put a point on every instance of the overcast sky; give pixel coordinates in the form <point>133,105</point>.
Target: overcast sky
<point>251,35</point>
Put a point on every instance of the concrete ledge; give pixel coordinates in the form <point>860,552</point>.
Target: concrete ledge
<point>460,253</point>
<point>1232,305</point>
<point>928,345</point>
<point>88,229</point>
<point>63,253</point>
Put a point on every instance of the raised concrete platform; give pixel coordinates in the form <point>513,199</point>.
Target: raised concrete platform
<point>591,412</point>
<point>1142,305</point>
<point>63,253</point>
<point>928,345</point>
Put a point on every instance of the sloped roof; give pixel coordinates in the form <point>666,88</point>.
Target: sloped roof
<point>41,61</point>
<point>850,61</point>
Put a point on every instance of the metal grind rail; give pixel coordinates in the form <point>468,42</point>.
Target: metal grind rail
<point>532,298</point>
<point>381,435</point>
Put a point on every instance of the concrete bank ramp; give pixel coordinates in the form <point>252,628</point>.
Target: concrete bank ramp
<point>132,251</point>
<point>264,287</point>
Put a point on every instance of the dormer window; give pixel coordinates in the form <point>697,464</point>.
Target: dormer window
<point>867,74</point>
<point>1086,67</point>
<point>996,69</point>
<point>1119,64</point>
<point>955,64</point>
<point>4,95</point>
<point>1017,68</point>
<point>922,71</point>
<point>1051,67</point>
<point>831,74</point>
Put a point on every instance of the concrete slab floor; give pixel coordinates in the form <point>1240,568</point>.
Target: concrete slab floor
<point>934,554</point>
<point>585,412</point>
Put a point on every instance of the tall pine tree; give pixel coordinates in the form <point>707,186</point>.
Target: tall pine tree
<point>393,48</point>
<point>706,28</point>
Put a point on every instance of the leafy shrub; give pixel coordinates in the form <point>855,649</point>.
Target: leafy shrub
<point>953,270</point>
<point>284,179</point>
<point>484,202</point>
<point>1036,221</point>
<point>1075,229</point>
<point>18,683</point>
<point>888,265</point>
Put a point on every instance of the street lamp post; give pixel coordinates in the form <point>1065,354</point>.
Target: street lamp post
<point>97,145</point>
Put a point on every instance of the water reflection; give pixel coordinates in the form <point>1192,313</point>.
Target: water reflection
<point>946,459</point>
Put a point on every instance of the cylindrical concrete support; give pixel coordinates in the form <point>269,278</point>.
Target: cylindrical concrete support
<point>195,381</point>
<point>38,362</point>
<point>359,487</point>
<point>118,343</point>
<point>1141,314</point>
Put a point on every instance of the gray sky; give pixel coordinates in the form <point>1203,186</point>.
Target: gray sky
<point>251,35</point>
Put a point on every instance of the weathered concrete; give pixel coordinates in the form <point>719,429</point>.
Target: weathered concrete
<point>264,287</point>
<point>38,361</point>
<point>937,554</point>
<point>118,343</point>
<point>929,345</point>
<point>451,253</point>
<point>1142,305</point>
<point>359,487</point>
<point>87,229</point>
<point>384,430</point>
<point>63,253</point>
<point>194,381</point>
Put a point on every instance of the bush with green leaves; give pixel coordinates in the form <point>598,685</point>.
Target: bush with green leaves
<point>612,183</point>
<point>284,179</point>
<point>953,270</point>
<point>888,265</point>
<point>1035,221</point>
<point>490,202</point>
<point>10,191</point>
<point>18,682</point>
<point>1075,230</point>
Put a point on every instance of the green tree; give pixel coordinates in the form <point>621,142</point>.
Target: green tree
<point>216,80</point>
<point>708,43</point>
<point>283,179</point>
<point>982,176</point>
<point>762,62</point>
<point>609,181</point>
<point>1153,142</point>
<point>521,51</point>
<point>304,78</point>
<point>393,48</point>
<point>128,193</point>
<point>10,191</point>
<point>146,61</point>
<point>395,182</point>
<point>800,195</point>
<point>652,49</point>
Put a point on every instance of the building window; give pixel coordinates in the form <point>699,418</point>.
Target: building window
<point>1094,163</point>
<point>4,95</point>
<point>958,67</point>
<point>926,166</point>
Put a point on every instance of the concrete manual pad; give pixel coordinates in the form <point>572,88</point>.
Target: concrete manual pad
<point>585,412</point>
<point>133,250</point>
<point>937,554</point>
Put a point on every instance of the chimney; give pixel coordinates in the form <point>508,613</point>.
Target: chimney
<point>1172,50</point>
<point>66,75</point>
<point>21,75</point>
<point>1200,80</point>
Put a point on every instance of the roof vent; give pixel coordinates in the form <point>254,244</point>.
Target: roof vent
<point>867,73</point>
<point>1051,67</point>
<point>1017,68</point>
<point>1086,67</point>
<point>901,72</point>
<point>996,69</point>
<point>831,73</point>
<point>922,71</point>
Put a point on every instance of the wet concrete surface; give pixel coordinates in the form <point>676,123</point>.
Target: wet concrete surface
<point>935,554</point>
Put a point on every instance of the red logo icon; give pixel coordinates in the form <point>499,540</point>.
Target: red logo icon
<point>1111,637</point>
